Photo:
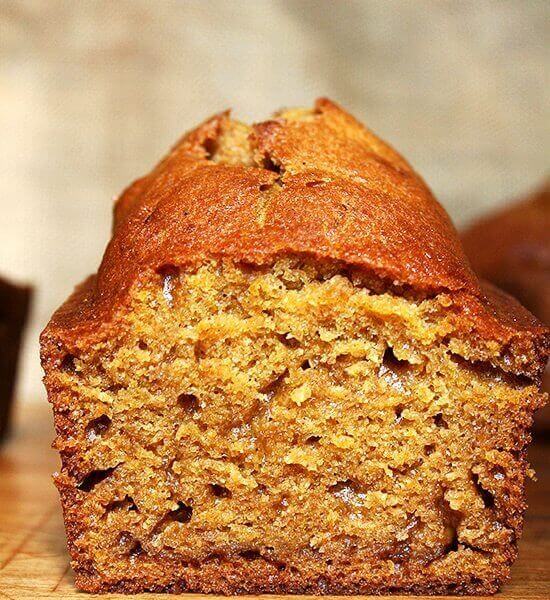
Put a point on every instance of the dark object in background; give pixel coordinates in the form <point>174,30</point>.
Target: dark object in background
<point>511,248</point>
<point>14,309</point>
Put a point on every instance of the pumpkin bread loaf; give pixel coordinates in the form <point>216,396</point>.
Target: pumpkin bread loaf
<point>286,378</point>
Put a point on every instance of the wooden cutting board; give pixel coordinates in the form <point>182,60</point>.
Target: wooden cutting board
<point>34,563</point>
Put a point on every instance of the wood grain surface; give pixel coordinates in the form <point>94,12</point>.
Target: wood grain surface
<point>34,563</point>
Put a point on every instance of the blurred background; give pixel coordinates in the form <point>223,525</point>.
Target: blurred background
<point>92,93</point>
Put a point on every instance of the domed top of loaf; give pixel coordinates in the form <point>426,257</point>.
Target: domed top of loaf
<point>313,182</point>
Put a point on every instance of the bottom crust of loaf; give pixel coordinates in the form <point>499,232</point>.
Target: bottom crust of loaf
<point>234,579</point>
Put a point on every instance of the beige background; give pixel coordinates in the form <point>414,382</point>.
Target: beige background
<point>93,92</point>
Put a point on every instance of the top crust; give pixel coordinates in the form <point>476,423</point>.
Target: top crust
<point>317,184</point>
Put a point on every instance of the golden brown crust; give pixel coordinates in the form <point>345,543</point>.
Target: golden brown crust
<point>323,186</point>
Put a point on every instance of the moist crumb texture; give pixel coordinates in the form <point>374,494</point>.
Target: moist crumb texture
<point>249,414</point>
<point>290,430</point>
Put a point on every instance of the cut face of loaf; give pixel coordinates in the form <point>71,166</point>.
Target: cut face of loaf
<point>287,428</point>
